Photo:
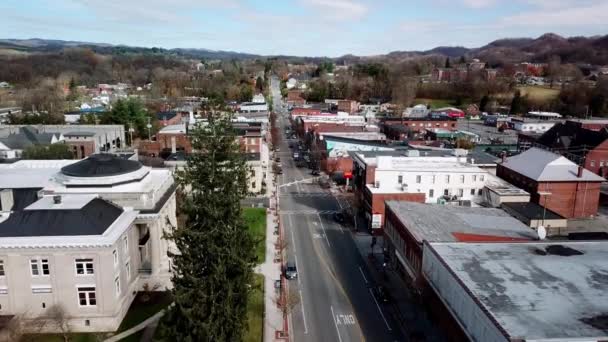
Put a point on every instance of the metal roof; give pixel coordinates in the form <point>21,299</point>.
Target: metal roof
<point>101,165</point>
<point>542,165</point>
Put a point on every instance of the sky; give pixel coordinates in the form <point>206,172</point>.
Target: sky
<point>300,27</point>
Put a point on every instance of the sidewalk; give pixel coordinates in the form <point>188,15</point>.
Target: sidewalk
<point>273,317</point>
<point>405,308</point>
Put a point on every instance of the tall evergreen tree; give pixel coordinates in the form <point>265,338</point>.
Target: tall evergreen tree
<point>213,267</point>
<point>447,63</point>
<point>483,103</point>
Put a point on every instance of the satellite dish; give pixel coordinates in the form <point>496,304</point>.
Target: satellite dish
<point>542,232</point>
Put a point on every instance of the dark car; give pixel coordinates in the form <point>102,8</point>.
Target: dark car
<point>339,217</point>
<point>381,294</point>
<point>291,272</point>
<point>315,172</point>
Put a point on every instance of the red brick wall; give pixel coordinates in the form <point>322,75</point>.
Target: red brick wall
<point>378,206</point>
<point>568,199</point>
<point>78,147</point>
<point>597,159</point>
<point>321,127</point>
<point>331,165</point>
<point>250,144</point>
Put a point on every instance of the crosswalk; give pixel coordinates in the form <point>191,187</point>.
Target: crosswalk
<point>307,212</point>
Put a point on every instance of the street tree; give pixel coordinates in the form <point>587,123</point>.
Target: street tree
<point>447,63</point>
<point>215,252</point>
<point>483,103</point>
<point>48,152</point>
<point>130,113</point>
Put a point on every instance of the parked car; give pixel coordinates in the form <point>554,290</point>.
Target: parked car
<point>291,271</point>
<point>381,294</point>
<point>339,217</point>
<point>315,172</point>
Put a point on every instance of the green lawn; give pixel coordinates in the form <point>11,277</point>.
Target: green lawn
<point>256,221</point>
<point>141,310</point>
<point>539,92</point>
<point>435,103</point>
<point>255,310</point>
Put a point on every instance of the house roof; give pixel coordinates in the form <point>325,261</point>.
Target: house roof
<point>26,137</point>
<point>532,291</point>
<point>91,219</point>
<point>23,197</point>
<point>533,211</point>
<point>572,138</point>
<point>448,223</point>
<point>79,134</point>
<point>542,165</point>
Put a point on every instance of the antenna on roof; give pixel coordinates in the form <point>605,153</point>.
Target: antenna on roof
<point>541,232</point>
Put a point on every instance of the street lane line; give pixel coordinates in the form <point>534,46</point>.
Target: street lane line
<point>323,227</point>
<point>303,313</point>
<point>295,254</point>
<point>335,323</point>
<point>381,313</point>
<point>363,275</point>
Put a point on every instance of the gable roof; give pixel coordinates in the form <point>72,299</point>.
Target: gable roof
<point>26,137</point>
<point>572,137</point>
<point>542,165</point>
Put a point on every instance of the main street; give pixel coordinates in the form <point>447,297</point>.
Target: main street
<point>333,285</point>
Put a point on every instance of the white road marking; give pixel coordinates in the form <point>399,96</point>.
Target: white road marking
<point>324,233</point>
<point>381,313</point>
<point>336,324</point>
<point>295,254</point>
<point>303,313</point>
<point>362,274</point>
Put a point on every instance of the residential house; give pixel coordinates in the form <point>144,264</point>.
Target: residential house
<point>553,182</point>
<point>13,143</point>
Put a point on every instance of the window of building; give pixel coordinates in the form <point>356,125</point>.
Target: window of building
<point>479,192</point>
<point>42,289</point>
<point>40,267</point>
<point>446,192</point>
<point>115,257</point>
<point>481,178</point>
<point>117,286</point>
<point>84,266</point>
<point>128,268</point>
<point>86,296</point>
<point>460,192</point>
<point>461,178</point>
<point>601,163</point>
<point>472,192</point>
<point>125,245</point>
<point>3,290</point>
<point>2,268</point>
<point>474,178</point>
<point>433,179</point>
<point>447,178</point>
<point>418,179</point>
<point>431,193</point>
<point>400,179</point>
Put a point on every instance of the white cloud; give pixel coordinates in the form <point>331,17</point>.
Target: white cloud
<point>338,9</point>
<point>567,14</point>
<point>478,3</point>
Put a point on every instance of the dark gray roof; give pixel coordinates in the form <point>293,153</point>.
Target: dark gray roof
<point>79,134</point>
<point>92,219</point>
<point>477,157</point>
<point>532,211</point>
<point>23,197</point>
<point>26,137</point>
<point>101,165</point>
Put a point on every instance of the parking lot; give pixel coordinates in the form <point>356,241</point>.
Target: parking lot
<point>487,133</point>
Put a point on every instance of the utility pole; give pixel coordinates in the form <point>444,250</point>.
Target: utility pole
<point>149,127</point>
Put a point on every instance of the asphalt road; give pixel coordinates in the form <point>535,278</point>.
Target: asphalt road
<point>333,288</point>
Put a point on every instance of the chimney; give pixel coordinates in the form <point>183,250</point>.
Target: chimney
<point>579,174</point>
<point>57,199</point>
<point>173,145</point>
<point>6,199</point>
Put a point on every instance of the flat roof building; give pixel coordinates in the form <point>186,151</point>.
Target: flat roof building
<point>541,291</point>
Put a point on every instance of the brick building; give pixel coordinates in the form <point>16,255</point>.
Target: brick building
<point>553,182</point>
<point>348,106</point>
<point>409,224</point>
<point>585,142</point>
<point>414,128</point>
<point>171,117</point>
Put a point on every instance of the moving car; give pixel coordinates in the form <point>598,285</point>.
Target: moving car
<point>290,270</point>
